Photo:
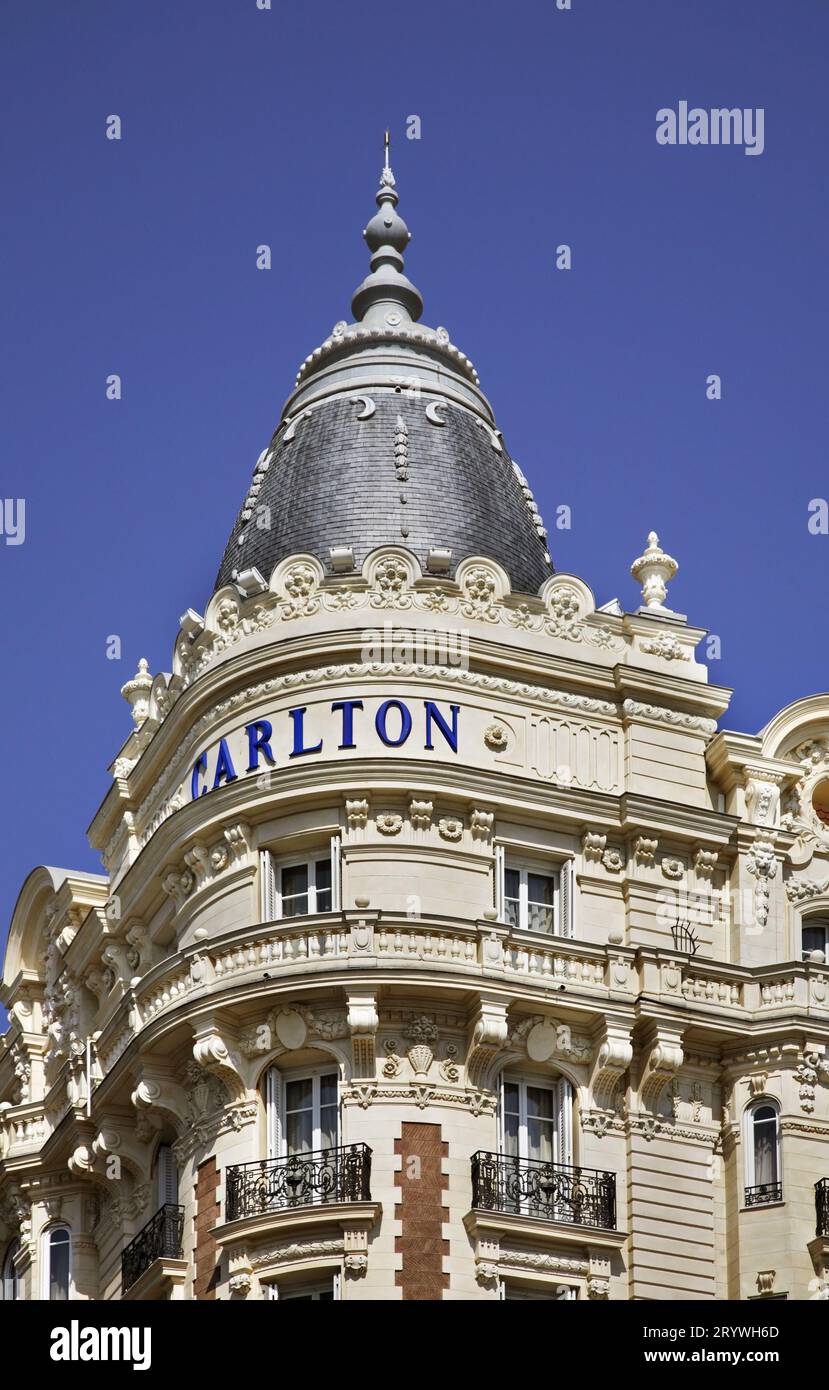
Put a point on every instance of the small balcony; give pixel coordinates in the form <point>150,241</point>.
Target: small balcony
<point>551,1192</point>
<point>326,1178</point>
<point>158,1241</point>
<point>764,1194</point>
<point>822,1207</point>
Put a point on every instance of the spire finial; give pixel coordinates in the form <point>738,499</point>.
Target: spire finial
<point>386,296</point>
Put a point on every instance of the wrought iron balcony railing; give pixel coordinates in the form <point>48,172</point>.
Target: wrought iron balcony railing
<point>160,1238</point>
<point>305,1179</point>
<point>553,1191</point>
<point>763,1194</point>
<point>822,1207</point>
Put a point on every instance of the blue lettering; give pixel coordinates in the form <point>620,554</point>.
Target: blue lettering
<point>259,741</point>
<point>451,735</point>
<point>405,723</point>
<point>298,716</point>
<point>200,765</point>
<point>348,707</point>
<point>225,771</point>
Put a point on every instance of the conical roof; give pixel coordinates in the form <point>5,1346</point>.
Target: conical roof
<point>387,439</point>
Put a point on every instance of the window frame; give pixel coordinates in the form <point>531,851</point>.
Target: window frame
<point>276,1110</point>
<point>166,1170</point>
<point>46,1245</point>
<point>749,1141</point>
<point>808,923</point>
<point>294,1292</point>
<point>563,1093</point>
<point>560,870</point>
<point>273,865</point>
<point>10,1275</point>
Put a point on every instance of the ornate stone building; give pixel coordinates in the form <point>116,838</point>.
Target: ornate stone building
<point>444,948</point>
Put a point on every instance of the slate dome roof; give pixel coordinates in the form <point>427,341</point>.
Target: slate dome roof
<point>388,440</point>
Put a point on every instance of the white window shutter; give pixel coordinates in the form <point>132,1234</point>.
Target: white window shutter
<point>273,1105</point>
<point>566,895</point>
<point>338,1286</point>
<point>267,886</point>
<point>336,859</point>
<point>273,1291</point>
<point>564,1122</point>
<point>167,1170</point>
<point>499,882</point>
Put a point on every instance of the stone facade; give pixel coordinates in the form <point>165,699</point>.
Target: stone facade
<point>458,890</point>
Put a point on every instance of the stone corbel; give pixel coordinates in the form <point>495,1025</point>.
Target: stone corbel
<point>154,1093</point>
<point>117,1151</point>
<point>487,1041</point>
<point>240,1280</point>
<point>664,1060</point>
<point>114,957</point>
<point>763,796</point>
<point>211,1052</point>
<point>355,1247</point>
<point>178,884</point>
<point>142,954</point>
<point>613,1058</point>
<point>363,1022</point>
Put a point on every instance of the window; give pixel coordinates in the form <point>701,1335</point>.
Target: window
<point>555,1293</point>
<point>303,1111</point>
<point>166,1170</point>
<point>316,1295</point>
<point>763,1182</point>
<point>304,888</point>
<point>537,1120</point>
<point>535,897</point>
<point>327,1291</point>
<point>815,937</point>
<point>59,1245</point>
<point>10,1286</point>
<point>299,887</point>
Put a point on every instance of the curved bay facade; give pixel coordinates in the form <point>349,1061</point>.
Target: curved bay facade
<point>444,948</point>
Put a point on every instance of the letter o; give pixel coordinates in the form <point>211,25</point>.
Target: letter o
<point>405,723</point>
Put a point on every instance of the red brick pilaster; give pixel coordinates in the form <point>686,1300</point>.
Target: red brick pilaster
<point>421,1212</point>
<point>207,1216</point>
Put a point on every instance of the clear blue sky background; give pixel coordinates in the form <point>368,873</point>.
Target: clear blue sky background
<point>243,126</point>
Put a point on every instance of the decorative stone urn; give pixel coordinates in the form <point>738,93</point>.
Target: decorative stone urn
<point>654,571</point>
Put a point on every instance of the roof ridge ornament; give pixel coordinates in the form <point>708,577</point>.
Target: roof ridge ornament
<point>386,296</point>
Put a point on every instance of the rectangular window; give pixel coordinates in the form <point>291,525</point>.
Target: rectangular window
<point>302,887</point>
<point>303,1112</point>
<point>536,1121</point>
<point>536,898</point>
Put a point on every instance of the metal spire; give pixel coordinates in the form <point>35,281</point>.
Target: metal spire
<point>386,296</point>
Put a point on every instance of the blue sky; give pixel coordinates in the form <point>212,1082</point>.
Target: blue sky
<point>243,126</point>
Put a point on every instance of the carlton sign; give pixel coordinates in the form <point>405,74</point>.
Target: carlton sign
<point>260,744</point>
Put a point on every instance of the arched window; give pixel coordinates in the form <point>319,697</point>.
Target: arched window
<point>763,1182</point>
<point>58,1260</point>
<point>10,1286</point>
<point>815,937</point>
